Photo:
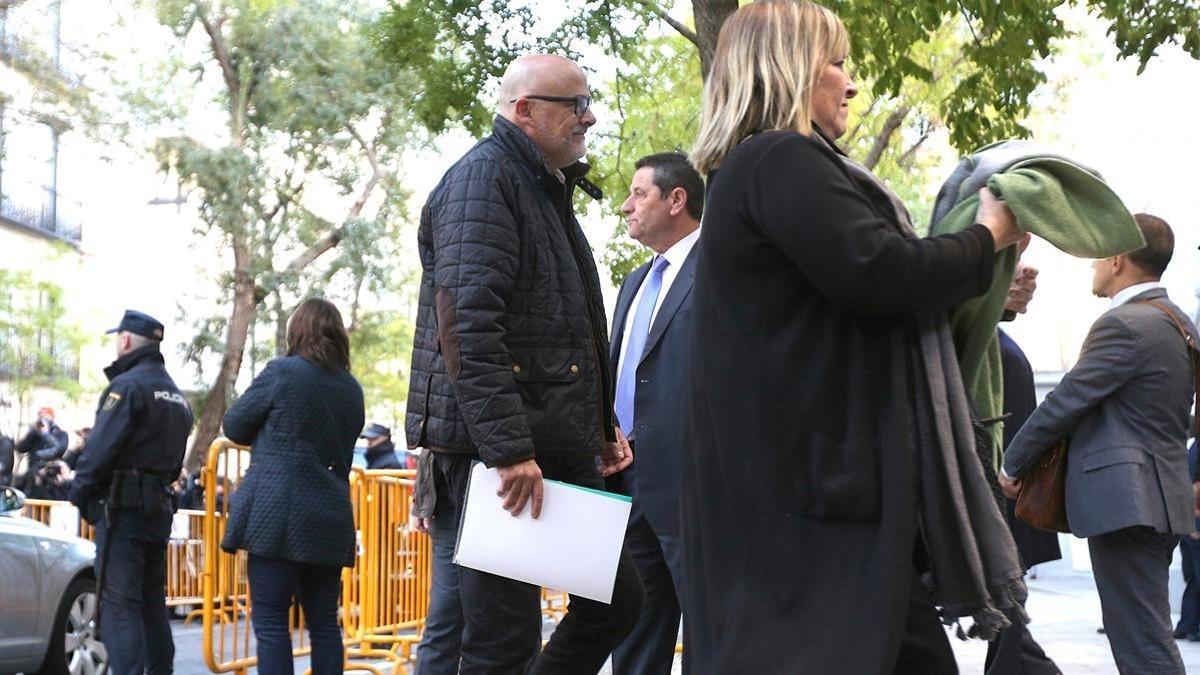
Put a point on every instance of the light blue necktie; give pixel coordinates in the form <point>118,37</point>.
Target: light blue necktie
<point>627,378</point>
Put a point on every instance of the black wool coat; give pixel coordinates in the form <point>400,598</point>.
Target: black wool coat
<point>301,422</point>
<point>798,495</point>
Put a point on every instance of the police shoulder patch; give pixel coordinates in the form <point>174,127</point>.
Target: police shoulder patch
<point>112,401</point>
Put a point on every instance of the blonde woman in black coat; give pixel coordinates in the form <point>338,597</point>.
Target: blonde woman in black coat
<point>799,502</point>
<point>292,512</point>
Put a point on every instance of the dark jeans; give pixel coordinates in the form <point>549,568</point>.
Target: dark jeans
<point>441,640</point>
<point>273,584</point>
<point>1189,610</point>
<point>503,617</point>
<point>131,559</point>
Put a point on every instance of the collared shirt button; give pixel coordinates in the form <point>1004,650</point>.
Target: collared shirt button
<point>516,368</point>
<point>574,368</point>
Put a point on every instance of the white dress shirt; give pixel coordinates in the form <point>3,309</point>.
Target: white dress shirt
<point>675,257</point>
<point>1130,292</point>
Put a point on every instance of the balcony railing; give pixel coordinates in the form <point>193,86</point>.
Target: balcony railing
<point>60,361</point>
<point>41,208</point>
<point>20,53</point>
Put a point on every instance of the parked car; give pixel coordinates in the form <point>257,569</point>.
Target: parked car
<point>47,597</point>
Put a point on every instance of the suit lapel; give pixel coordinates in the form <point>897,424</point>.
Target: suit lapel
<point>629,289</point>
<point>680,288</point>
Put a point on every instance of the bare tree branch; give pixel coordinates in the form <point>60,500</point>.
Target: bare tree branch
<point>334,236</point>
<point>674,23</point>
<point>907,155</point>
<point>890,125</point>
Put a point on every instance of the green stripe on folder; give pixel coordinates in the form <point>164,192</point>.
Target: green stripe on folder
<point>602,493</point>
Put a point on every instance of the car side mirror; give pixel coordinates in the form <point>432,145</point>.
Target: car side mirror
<point>11,499</point>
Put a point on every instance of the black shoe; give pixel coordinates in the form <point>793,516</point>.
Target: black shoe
<point>1100,630</point>
<point>1181,634</point>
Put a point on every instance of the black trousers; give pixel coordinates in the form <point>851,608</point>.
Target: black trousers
<point>650,647</point>
<point>503,617</point>
<point>924,649</point>
<point>133,604</point>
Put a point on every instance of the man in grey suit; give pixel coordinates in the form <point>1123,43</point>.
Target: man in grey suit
<point>650,333</point>
<point>1125,407</point>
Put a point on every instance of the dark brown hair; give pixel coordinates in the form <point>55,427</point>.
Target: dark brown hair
<point>315,333</point>
<point>1160,245</point>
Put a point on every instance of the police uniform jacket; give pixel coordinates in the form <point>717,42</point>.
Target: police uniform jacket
<point>142,424</point>
<point>383,456</point>
<point>301,422</point>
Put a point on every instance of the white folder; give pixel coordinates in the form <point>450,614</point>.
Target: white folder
<point>573,546</point>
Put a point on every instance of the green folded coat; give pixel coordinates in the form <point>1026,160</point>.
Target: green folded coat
<point>1055,200</point>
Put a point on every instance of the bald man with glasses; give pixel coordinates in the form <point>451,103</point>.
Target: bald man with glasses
<point>510,363</point>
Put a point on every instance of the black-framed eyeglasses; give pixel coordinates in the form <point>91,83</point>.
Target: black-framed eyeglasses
<point>581,103</point>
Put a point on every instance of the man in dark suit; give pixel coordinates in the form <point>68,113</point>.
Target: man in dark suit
<point>650,333</point>
<point>1015,651</point>
<point>1124,407</point>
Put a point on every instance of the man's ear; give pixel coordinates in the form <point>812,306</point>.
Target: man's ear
<point>522,109</point>
<point>678,199</point>
<point>1119,263</point>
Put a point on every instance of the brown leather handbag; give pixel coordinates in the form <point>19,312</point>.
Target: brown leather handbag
<point>1043,499</point>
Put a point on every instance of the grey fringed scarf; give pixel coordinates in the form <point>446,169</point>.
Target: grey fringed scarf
<point>975,570</point>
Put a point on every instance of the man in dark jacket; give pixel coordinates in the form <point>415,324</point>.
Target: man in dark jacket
<point>122,486</point>
<point>381,452</point>
<point>43,443</point>
<point>510,362</point>
<point>6,460</point>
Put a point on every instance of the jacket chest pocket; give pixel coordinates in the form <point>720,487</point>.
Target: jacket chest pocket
<point>548,365</point>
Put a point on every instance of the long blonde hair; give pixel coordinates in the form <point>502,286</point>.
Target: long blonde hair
<point>768,56</point>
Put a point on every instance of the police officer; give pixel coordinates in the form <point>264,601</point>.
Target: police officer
<point>381,452</point>
<point>122,486</point>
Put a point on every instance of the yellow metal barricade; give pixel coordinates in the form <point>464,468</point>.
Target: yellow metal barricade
<point>185,555</point>
<point>229,646</point>
<point>41,510</point>
<point>386,596</point>
<point>225,591</point>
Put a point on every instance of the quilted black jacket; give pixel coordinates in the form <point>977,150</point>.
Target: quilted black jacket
<point>510,355</point>
<point>301,422</point>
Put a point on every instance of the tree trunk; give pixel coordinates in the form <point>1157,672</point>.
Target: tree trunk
<point>709,16</point>
<point>244,304</point>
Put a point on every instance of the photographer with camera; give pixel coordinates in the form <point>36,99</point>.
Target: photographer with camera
<point>43,443</point>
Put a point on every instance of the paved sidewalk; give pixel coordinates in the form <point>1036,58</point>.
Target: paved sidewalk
<point>1065,612</point>
<point>1062,603</point>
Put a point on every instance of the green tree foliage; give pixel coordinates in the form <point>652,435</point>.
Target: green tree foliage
<point>968,68</point>
<point>1001,44</point>
<point>381,345</point>
<point>312,120</point>
<point>39,346</point>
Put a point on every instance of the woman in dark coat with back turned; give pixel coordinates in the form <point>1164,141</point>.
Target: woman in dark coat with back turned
<point>799,515</point>
<point>292,512</point>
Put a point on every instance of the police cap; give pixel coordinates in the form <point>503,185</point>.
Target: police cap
<point>139,323</point>
<point>375,431</point>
